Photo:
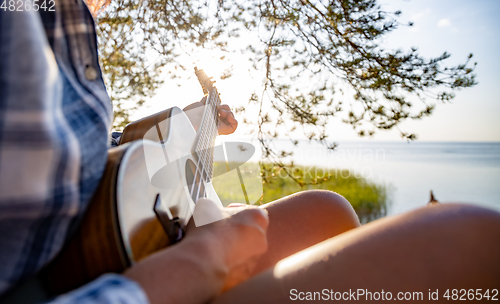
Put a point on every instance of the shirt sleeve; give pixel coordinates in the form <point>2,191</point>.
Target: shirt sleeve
<point>108,289</point>
<point>115,138</point>
<point>53,141</point>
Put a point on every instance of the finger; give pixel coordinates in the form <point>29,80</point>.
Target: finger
<point>225,112</point>
<point>228,124</point>
<point>236,205</point>
<point>227,116</point>
<point>223,107</point>
<point>250,226</point>
<point>226,129</point>
<point>253,215</point>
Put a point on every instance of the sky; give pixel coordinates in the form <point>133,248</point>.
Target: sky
<point>457,26</point>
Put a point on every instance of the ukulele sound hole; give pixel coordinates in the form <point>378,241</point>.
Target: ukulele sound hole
<point>194,181</point>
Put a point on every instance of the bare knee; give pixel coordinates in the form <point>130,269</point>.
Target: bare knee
<point>461,221</point>
<point>461,216</point>
<point>304,219</point>
<point>325,210</point>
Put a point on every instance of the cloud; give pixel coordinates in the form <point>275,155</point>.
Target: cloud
<point>444,22</point>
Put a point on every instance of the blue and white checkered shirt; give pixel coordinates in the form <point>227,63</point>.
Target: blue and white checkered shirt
<point>55,116</point>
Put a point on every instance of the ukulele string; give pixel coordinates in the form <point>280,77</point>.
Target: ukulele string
<point>210,140</point>
<point>201,155</point>
<point>204,152</point>
<point>201,143</point>
<point>206,139</point>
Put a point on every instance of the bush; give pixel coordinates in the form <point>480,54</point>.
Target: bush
<point>369,199</point>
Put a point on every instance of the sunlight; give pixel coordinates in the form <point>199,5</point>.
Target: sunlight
<point>296,262</point>
<point>213,62</point>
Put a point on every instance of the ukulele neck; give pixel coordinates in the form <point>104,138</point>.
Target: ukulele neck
<point>203,146</point>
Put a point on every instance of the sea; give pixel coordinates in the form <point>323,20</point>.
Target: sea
<point>462,172</point>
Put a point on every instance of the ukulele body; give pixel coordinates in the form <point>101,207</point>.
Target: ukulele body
<point>146,196</point>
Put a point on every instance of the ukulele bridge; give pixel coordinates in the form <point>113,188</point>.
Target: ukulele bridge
<point>170,224</point>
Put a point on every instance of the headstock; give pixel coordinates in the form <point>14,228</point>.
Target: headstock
<point>205,81</point>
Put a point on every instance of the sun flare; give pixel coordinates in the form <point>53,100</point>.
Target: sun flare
<point>214,63</point>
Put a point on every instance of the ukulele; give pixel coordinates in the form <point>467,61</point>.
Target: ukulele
<point>146,196</point>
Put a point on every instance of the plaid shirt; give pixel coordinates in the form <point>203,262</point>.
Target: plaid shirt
<point>54,120</point>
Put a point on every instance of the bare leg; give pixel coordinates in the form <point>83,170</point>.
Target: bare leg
<point>441,247</point>
<point>301,220</point>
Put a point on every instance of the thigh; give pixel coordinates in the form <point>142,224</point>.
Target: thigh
<point>433,248</point>
<point>304,219</point>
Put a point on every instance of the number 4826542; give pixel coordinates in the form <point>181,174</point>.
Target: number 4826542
<point>471,294</point>
<point>28,5</point>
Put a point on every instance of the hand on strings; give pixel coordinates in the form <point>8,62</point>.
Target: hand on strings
<point>227,121</point>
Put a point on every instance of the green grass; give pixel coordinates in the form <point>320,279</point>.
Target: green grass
<point>369,199</point>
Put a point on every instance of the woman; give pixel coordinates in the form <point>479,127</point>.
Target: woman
<point>53,141</point>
